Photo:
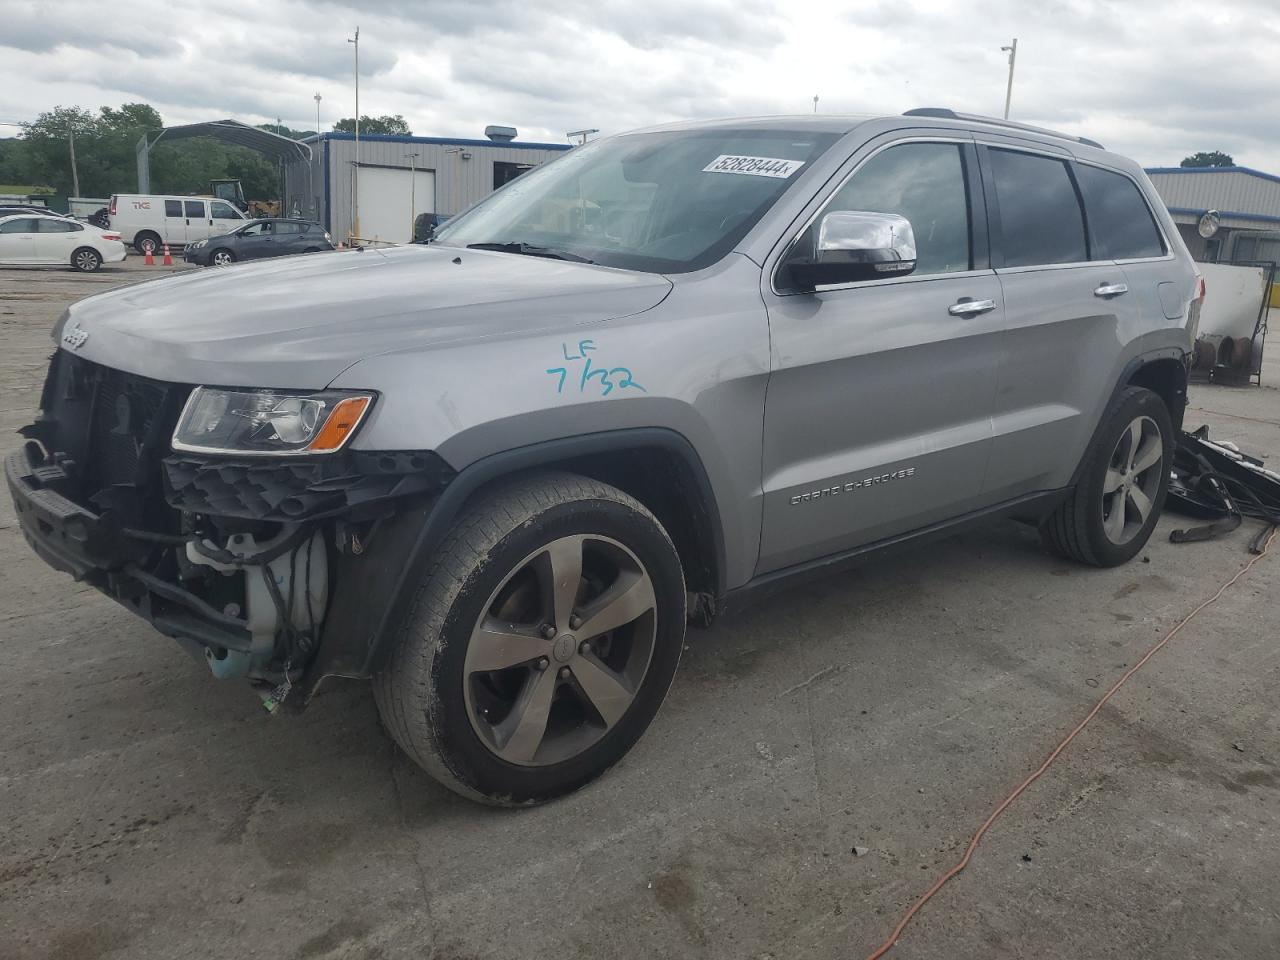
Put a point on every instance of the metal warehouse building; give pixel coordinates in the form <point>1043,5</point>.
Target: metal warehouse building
<point>400,177</point>
<point>1247,202</point>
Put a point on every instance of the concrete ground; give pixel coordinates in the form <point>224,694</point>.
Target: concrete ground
<point>151,812</point>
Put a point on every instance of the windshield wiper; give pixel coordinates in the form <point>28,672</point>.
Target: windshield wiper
<point>529,250</point>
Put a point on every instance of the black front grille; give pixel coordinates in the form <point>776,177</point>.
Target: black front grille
<point>108,429</point>
<point>126,411</point>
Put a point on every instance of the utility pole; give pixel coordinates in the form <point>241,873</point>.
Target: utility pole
<point>75,175</point>
<point>355,170</point>
<point>413,195</point>
<point>1012,50</point>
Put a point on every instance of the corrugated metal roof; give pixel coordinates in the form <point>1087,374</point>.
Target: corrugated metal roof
<point>240,134</point>
<point>1236,192</point>
<point>446,141</point>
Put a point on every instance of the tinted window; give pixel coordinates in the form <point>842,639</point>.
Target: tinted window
<point>194,208</point>
<point>1040,217</point>
<point>288,228</point>
<point>256,230</point>
<point>223,211</point>
<point>925,183</point>
<point>22,225</point>
<point>46,225</point>
<point>173,208</point>
<point>1119,218</point>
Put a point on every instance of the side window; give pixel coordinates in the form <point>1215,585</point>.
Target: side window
<point>925,183</point>
<point>1119,217</point>
<point>255,230</point>
<point>290,229</point>
<point>194,209</point>
<point>223,211</point>
<point>1040,217</point>
<point>22,225</point>
<point>46,225</point>
<point>173,208</point>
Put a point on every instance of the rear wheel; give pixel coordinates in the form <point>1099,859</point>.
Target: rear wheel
<point>541,643</point>
<point>222,257</point>
<point>147,242</point>
<point>1110,514</point>
<point>86,260</point>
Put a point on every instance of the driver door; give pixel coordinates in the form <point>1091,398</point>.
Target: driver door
<point>878,414</point>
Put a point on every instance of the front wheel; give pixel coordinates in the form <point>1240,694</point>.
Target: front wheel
<point>222,258</point>
<point>86,260</point>
<point>541,642</point>
<point>1110,514</point>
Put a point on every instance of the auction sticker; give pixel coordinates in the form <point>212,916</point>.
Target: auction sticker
<point>753,166</point>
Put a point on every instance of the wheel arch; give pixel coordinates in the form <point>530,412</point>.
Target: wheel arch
<point>84,246</point>
<point>657,466</point>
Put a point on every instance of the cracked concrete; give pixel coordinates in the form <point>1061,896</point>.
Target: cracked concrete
<point>151,812</point>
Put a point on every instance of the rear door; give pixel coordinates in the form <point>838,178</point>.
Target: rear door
<point>197,224</point>
<point>175,223</point>
<point>18,240</point>
<point>1066,314</point>
<point>878,414</point>
<point>288,238</point>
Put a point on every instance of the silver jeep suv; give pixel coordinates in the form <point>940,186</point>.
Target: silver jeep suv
<point>499,474</point>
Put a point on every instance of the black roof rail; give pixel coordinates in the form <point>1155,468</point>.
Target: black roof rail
<point>943,113</point>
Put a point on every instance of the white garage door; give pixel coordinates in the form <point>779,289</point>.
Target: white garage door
<point>389,198</point>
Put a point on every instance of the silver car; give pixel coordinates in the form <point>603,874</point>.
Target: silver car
<point>499,473</point>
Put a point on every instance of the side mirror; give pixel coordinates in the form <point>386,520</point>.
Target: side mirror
<point>854,245</point>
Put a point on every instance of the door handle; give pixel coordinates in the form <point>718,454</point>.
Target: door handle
<point>968,307</point>
<point>1111,290</point>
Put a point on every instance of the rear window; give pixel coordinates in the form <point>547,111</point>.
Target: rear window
<point>1119,218</point>
<point>1040,217</point>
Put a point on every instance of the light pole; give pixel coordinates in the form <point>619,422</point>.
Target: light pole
<point>815,103</point>
<point>1012,50</point>
<point>317,100</point>
<point>413,194</point>
<point>75,176</point>
<point>355,170</point>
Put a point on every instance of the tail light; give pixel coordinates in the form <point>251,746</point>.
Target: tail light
<point>112,211</point>
<point>1193,314</point>
<point>111,236</point>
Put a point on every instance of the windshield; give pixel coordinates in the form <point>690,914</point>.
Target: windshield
<point>659,202</point>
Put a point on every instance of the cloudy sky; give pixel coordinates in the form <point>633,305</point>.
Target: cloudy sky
<point>1155,79</point>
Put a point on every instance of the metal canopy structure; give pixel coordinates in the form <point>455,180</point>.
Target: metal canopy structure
<point>228,131</point>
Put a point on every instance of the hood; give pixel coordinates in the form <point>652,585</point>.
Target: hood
<point>300,321</point>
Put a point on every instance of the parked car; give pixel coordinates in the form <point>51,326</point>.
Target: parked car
<point>31,240</point>
<point>149,222</point>
<point>277,237</point>
<point>425,226</point>
<point>676,368</point>
<point>10,209</point>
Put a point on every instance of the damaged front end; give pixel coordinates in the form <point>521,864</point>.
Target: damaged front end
<point>262,566</point>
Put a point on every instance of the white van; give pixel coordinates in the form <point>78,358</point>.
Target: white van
<point>148,221</point>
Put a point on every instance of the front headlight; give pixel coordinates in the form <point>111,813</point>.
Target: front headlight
<point>198,244</point>
<point>268,421</point>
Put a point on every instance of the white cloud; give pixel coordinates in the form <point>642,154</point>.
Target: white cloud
<point>1154,80</point>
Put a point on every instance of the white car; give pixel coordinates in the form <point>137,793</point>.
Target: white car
<point>33,239</point>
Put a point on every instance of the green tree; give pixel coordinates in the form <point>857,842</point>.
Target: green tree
<point>396,125</point>
<point>1213,158</point>
<point>48,151</point>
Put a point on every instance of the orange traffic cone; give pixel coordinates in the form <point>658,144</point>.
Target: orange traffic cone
<point>168,260</point>
<point>147,258</point>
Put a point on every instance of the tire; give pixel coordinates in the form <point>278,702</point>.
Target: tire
<point>147,238</point>
<point>222,257</point>
<point>529,732</point>
<point>1102,522</point>
<point>86,260</point>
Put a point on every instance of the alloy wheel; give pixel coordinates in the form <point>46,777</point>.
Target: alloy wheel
<point>221,259</point>
<point>1132,480</point>
<point>560,650</point>
<point>87,261</point>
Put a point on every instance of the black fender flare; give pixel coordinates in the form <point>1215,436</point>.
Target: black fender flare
<point>375,589</point>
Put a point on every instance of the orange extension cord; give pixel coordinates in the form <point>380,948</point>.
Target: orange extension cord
<point>1004,804</point>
